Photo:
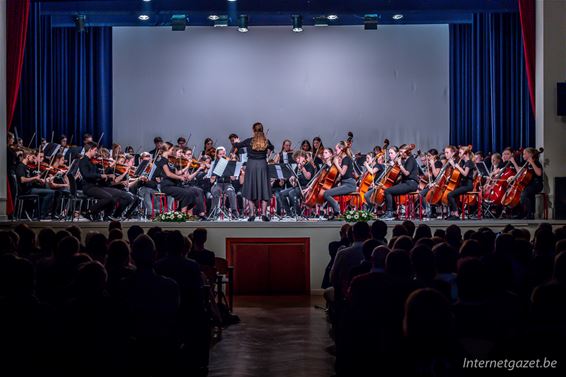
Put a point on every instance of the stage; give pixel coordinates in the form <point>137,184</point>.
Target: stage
<point>312,236</point>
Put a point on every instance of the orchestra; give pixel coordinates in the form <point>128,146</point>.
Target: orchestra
<point>321,182</point>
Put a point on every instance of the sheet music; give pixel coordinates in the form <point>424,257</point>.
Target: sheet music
<point>220,166</point>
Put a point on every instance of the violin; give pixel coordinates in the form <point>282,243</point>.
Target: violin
<point>103,162</point>
<point>122,168</point>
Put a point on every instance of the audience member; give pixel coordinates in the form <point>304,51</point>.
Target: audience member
<point>198,252</point>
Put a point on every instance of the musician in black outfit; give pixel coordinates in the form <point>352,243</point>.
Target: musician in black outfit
<point>344,163</point>
<point>409,180</point>
<point>530,156</point>
<point>170,184</point>
<point>433,168</point>
<point>466,167</point>
<point>374,165</point>
<point>290,197</point>
<point>223,185</point>
<point>122,183</point>
<point>95,185</point>
<point>256,182</point>
<point>30,182</point>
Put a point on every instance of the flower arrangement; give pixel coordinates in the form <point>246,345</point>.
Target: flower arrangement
<point>353,216</point>
<point>172,217</point>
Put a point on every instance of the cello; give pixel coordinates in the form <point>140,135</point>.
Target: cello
<point>389,178</point>
<point>324,180</point>
<point>434,194</point>
<point>524,176</point>
<point>366,181</point>
<point>453,180</point>
<point>500,182</point>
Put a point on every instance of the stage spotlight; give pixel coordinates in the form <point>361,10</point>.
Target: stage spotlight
<point>370,22</point>
<point>80,22</point>
<point>243,23</point>
<point>297,23</point>
<point>143,17</point>
<point>332,17</point>
<point>320,21</point>
<point>397,16</point>
<point>221,21</point>
<point>178,22</point>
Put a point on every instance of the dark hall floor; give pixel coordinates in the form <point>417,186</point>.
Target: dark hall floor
<point>277,336</point>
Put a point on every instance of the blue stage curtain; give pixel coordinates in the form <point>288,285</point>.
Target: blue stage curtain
<point>66,84</point>
<point>489,93</point>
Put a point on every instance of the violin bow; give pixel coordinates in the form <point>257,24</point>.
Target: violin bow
<point>98,144</point>
<point>31,140</point>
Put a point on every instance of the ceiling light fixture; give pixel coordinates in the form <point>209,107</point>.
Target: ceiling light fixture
<point>143,17</point>
<point>332,17</point>
<point>297,23</point>
<point>213,17</point>
<point>397,16</point>
<point>320,21</point>
<point>243,23</point>
<point>370,22</point>
<point>179,22</point>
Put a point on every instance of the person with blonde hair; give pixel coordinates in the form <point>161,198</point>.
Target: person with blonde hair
<point>256,183</point>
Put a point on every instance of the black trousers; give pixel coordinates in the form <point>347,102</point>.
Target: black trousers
<point>528,198</point>
<point>399,189</point>
<point>107,198</point>
<point>290,197</point>
<point>456,193</point>
<point>187,196</point>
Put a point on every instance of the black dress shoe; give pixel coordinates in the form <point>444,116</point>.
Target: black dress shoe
<point>264,218</point>
<point>251,218</point>
<point>388,216</point>
<point>453,217</point>
<point>91,216</point>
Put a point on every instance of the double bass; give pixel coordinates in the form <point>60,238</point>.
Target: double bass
<point>522,179</point>
<point>389,178</point>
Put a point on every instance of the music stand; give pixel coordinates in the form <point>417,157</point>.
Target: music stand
<point>223,168</point>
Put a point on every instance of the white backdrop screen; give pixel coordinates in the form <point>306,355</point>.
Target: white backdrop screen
<point>210,82</point>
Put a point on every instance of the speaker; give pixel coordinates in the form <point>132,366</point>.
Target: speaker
<point>560,198</point>
<point>561,98</point>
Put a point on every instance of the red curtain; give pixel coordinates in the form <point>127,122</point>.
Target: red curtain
<point>528,29</point>
<point>17,14</point>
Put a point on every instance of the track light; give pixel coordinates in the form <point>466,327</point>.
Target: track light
<point>80,23</point>
<point>221,21</point>
<point>178,22</point>
<point>243,23</point>
<point>370,22</point>
<point>320,21</point>
<point>297,23</point>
